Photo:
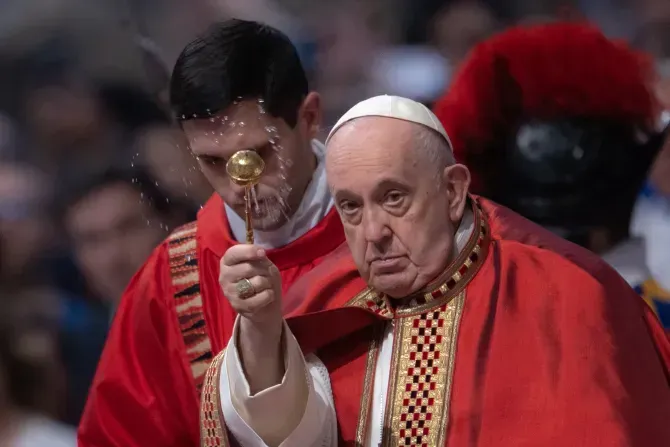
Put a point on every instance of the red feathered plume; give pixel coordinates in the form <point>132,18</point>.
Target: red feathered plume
<point>548,71</point>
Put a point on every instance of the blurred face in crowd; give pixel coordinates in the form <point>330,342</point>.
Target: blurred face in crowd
<point>400,206</point>
<point>460,27</point>
<point>163,150</point>
<point>289,160</point>
<point>113,232</point>
<point>45,113</point>
<point>24,229</point>
<point>31,374</point>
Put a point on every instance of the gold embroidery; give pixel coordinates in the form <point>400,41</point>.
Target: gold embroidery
<point>212,431</point>
<point>368,382</point>
<point>459,303</point>
<point>184,271</point>
<point>420,389</point>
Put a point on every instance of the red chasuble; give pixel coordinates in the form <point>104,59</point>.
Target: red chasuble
<point>526,340</point>
<point>169,325</point>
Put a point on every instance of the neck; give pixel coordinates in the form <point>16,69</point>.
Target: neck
<point>297,195</point>
<point>460,238</point>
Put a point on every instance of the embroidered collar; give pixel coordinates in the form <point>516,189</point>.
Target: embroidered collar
<point>448,285</point>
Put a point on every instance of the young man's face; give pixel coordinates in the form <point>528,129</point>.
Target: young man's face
<point>113,232</point>
<point>286,152</point>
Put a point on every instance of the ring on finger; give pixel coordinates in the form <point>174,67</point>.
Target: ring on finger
<point>245,289</point>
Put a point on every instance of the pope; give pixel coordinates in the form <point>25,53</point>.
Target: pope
<point>468,325</point>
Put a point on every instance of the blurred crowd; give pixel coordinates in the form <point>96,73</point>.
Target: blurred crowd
<point>93,175</point>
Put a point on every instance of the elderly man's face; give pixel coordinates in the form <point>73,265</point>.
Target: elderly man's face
<point>398,208</point>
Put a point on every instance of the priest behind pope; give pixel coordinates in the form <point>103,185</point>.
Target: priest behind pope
<point>467,325</point>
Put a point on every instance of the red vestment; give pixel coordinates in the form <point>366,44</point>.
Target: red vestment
<point>144,393</point>
<point>526,340</point>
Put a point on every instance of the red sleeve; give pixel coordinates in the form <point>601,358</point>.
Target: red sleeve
<point>143,394</point>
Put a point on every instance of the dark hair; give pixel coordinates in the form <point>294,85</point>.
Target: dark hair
<point>26,375</point>
<point>238,59</point>
<point>137,178</point>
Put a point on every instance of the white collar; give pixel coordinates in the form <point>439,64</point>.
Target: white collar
<point>315,204</point>
<point>464,230</point>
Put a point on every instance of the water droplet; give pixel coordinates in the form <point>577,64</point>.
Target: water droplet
<point>195,115</point>
<point>254,197</point>
<point>211,120</point>
<point>232,124</point>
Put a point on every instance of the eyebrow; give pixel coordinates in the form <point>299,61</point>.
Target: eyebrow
<point>384,184</point>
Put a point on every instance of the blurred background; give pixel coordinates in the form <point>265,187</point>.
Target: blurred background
<point>92,175</point>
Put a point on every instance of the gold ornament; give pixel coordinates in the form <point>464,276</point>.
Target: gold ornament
<point>245,168</point>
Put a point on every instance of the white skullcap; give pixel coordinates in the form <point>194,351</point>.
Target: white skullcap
<point>393,107</point>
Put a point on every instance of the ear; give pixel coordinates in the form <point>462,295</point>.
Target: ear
<point>457,182</point>
<point>310,114</point>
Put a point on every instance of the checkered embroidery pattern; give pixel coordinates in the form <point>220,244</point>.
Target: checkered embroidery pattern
<point>421,379</point>
<point>185,274</point>
<point>212,431</point>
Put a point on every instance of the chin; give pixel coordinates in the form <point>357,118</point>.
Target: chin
<point>392,287</point>
<point>270,222</point>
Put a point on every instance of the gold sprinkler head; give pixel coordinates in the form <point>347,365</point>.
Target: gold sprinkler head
<point>245,167</point>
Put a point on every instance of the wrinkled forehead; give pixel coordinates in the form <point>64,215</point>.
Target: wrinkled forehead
<point>367,147</point>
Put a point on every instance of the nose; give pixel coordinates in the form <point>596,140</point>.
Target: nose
<point>376,227</point>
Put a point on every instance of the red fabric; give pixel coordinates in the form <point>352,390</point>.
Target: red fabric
<point>553,349</point>
<point>549,71</point>
<point>143,394</point>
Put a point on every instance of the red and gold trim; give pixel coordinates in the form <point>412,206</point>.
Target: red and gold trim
<point>212,431</point>
<point>417,409</point>
<point>368,383</point>
<point>421,373</point>
<point>185,273</point>
<point>445,288</point>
